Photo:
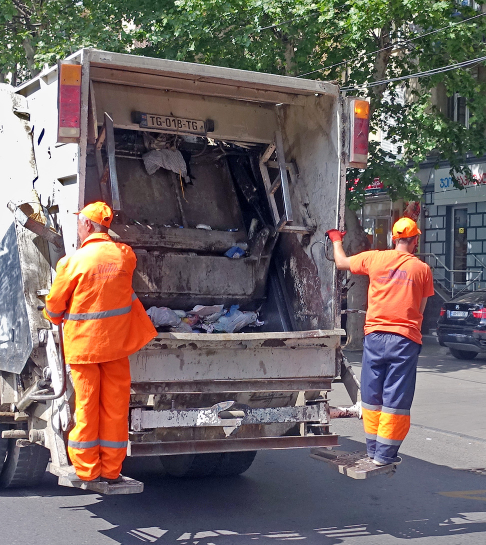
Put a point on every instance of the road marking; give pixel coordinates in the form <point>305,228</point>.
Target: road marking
<point>479,495</point>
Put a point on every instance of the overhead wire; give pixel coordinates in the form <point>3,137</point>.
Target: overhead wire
<point>432,72</point>
<point>391,46</point>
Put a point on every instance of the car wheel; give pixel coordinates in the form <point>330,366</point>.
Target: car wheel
<point>463,354</point>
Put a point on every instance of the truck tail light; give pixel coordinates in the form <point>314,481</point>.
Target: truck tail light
<point>359,130</point>
<point>442,311</point>
<point>69,102</point>
<point>481,313</point>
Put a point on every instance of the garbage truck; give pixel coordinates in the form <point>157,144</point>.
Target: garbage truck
<point>224,183</point>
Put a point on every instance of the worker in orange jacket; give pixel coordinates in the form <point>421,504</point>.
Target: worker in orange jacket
<point>399,287</point>
<point>104,322</point>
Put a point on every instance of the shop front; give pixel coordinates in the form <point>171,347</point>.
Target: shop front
<point>454,225</point>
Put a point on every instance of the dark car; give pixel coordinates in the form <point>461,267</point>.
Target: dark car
<point>462,325</point>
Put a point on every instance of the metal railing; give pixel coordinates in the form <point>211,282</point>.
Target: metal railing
<point>445,279</point>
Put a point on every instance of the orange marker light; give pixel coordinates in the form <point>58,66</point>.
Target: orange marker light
<point>362,109</point>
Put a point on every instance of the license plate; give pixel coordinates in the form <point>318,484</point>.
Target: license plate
<point>172,124</point>
<point>457,313</point>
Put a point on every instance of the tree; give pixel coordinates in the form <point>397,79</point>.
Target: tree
<point>39,32</point>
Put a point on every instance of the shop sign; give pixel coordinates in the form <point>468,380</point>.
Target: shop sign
<point>374,188</point>
<point>473,190</point>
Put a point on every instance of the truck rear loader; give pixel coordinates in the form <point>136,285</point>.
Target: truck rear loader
<point>198,163</point>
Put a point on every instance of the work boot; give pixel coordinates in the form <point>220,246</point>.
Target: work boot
<point>117,480</point>
<point>395,462</point>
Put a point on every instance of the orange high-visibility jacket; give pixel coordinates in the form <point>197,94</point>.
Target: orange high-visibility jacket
<point>103,318</point>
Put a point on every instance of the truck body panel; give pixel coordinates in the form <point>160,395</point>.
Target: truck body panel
<point>263,170</point>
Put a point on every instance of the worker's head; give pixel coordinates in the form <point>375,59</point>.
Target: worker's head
<point>405,235</point>
<point>94,218</point>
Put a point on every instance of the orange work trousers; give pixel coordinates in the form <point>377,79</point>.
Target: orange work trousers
<point>97,444</point>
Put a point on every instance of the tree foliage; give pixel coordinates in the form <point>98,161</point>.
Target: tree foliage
<point>353,42</point>
<point>39,32</point>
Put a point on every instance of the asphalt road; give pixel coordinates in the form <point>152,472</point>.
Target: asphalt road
<point>437,496</point>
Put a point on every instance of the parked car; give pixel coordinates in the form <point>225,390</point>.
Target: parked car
<point>462,325</point>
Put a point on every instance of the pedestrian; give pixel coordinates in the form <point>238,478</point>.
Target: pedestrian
<point>399,287</point>
<point>104,322</point>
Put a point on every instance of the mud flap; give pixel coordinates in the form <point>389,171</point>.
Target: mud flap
<point>356,465</point>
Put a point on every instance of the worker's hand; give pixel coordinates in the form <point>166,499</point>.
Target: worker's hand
<point>335,235</point>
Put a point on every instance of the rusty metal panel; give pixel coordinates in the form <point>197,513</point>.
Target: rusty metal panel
<point>170,238</point>
<point>143,419</point>
<point>231,386</point>
<point>182,281</point>
<point>152,200</point>
<point>230,445</point>
<point>235,356</point>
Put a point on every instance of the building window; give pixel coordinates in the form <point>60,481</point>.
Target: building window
<point>457,109</point>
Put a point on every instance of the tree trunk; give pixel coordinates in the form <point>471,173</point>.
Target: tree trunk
<point>30,57</point>
<point>356,242</point>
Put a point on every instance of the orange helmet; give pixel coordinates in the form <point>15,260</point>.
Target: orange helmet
<point>99,212</point>
<point>405,228</point>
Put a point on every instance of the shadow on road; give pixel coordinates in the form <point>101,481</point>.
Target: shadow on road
<point>286,496</point>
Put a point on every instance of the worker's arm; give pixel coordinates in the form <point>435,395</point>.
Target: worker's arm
<point>422,304</point>
<point>60,293</point>
<point>340,258</point>
<point>342,261</point>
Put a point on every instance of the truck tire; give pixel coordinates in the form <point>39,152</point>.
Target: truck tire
<point>3,446</point>
<point>190,465</point>
<point>463,354</point>
<point>24,465</point>
<point>234,463</point>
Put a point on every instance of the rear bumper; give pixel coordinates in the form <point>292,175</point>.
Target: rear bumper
<point>230,445</point>
<point>467,340</point>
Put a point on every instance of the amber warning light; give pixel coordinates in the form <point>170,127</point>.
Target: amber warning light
<point>359,130</point>
<point>69,103</point>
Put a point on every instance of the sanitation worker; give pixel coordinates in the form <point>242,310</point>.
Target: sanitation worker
<point>399,287</point>
<point>104,322</point>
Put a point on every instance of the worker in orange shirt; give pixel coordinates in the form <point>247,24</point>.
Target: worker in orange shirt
<point>399,287</point>
<point>104,322</point>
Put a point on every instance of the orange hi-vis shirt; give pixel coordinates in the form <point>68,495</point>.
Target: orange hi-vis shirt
<point>398,283</point>
<point>103,318</point>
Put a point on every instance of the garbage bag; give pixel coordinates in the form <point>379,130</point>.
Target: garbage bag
<point>163,316</point>
<point>204,310</point>
<point>166,159</point>
<point>183,327</point>
<point>234,321</point>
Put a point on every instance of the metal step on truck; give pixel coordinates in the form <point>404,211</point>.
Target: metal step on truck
<point>199,163</point>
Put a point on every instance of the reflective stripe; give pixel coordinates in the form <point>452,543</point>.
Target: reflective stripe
<point>83,444</point>
<point>55,314</point>
<point>370,436</point>
<point>370,407</point>
<point>134,296</point>
<point>113,444</point>
<point>98,315</point>
<point>389,410</point>
<point>386,441</point>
